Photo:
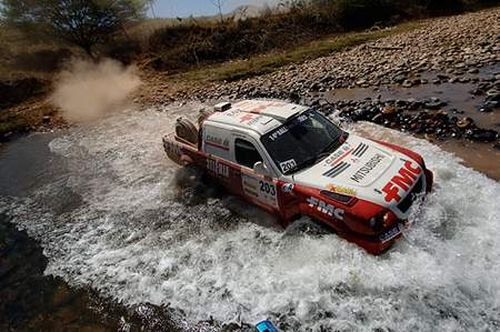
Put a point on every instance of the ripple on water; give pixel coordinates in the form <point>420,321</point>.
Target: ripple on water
<point>129,237</point>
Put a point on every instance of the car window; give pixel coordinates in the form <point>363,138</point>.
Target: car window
<point>302,141</point>
<point>245,152</point>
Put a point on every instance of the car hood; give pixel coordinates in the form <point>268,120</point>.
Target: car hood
<point>360,168</point>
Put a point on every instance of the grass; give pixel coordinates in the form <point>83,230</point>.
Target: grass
<point>263,64</point>
<point>12,123</point>
<point>26,116</point>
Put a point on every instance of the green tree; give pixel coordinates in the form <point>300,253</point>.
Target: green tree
<point>84,23</point>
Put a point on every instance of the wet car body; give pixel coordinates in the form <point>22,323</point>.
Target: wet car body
<point>293,161</point>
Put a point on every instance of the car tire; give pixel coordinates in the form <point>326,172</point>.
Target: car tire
<point>308,226</point>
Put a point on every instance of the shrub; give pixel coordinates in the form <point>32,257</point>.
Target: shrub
<point>195,43</point>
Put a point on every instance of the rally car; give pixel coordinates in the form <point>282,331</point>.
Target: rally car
<point>293,161</point>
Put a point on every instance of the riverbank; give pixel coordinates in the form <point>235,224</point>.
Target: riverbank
<point>439,80</point>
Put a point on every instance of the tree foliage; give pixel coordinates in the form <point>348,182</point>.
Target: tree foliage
<point>84,23</point>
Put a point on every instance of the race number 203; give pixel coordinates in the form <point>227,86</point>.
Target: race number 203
<point>288,165</point>
<point>267,188</point>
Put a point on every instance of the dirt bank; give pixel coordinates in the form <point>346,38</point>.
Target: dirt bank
<point>458,55</point>
<point>455,45</point>
<point>440,81</point>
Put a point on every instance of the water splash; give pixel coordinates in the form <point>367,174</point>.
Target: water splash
<point>118,227</point>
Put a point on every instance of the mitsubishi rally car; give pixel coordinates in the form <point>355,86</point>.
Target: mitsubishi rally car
<point>293,161</point>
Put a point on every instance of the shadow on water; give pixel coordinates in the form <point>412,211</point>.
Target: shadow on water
<point>27,164</point>
<point>29,300</point>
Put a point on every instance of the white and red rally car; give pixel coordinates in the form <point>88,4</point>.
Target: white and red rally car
<point>293,161</point>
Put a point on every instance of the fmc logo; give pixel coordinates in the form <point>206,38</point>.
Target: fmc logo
<point>404,180</point>
<point>326,208</point>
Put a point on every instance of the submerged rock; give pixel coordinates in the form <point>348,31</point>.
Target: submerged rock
<point>483,135</point>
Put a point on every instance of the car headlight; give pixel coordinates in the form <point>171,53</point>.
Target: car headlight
<point>382,220</point>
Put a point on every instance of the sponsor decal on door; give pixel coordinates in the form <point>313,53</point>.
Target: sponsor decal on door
<point>260,189</point>
<point>220,169</point>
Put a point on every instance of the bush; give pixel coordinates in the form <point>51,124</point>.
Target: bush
<point>443,7</point>
<point>195,43</point>
<point>355,14</point>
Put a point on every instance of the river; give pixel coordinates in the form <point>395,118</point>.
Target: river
<point>111,215</point>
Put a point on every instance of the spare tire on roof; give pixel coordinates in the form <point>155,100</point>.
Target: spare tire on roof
<point>186,130</point>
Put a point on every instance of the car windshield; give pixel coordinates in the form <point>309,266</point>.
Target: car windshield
<point>303,141</point>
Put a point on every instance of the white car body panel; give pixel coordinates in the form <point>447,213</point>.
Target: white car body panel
<point>365,171</point>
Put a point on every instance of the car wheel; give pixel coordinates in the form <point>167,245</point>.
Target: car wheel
<point>306,225</point>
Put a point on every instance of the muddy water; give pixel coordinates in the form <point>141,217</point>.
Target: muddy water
<point>480,156</point>
<point>31,299</point>
<point>457,95</point>
<point>102,202</point>
<point>460,102</point>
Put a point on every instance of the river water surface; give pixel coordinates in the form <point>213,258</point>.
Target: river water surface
<point>103,202</point>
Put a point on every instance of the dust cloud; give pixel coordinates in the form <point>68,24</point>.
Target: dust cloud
<point>86,90</point>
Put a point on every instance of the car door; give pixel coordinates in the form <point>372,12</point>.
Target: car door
<point>259,189</point>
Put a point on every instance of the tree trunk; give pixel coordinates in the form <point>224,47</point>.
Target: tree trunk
<point>88,50</point>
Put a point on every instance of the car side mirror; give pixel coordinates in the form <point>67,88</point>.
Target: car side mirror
<point>261,169</point>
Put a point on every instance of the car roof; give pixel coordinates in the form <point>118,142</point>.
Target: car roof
<point>260,116</point>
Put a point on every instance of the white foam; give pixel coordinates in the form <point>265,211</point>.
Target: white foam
<point>131,240</point>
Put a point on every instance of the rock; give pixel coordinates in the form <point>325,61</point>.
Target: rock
<point>443,77</point>
<point>455,111</point>
<point>401,104</point>
<point>407,84</point>
<point>484,135</point>
<point>477,92</point>
<point>399,78</point>
<point>435,104</point>
<point>493,95</point>
<point>465,123</point>
<point>492,104</point>
<point>389,110</point>
<point>377,118</point>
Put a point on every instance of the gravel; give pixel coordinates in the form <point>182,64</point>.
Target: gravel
<point>457,49</point>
